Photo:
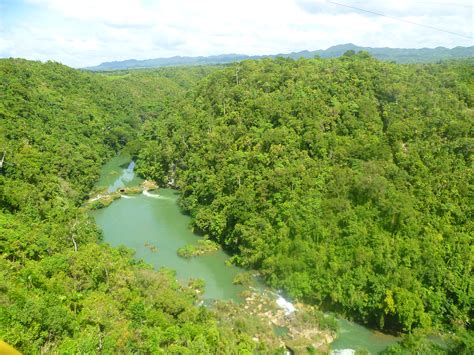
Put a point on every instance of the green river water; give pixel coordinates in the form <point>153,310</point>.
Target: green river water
<point>143,222</point>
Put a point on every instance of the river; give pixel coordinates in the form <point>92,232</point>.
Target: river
<point>154,227</point>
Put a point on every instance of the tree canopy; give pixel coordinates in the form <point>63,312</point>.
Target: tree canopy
<point>61,290</point>
<point>346,182</point>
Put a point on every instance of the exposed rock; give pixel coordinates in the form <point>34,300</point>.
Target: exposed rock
<point>149,185</point>
<point>301,322</point>
<point>104,199</point>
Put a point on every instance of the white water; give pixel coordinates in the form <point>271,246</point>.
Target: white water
<point>285,305</point>
<point>343,352</point>
<point>146,193</point>
<point>126,196</point>
<point>127,176</point>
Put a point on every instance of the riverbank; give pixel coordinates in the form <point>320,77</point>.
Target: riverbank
<point>300,326</point>
<point>105,197</point>
<point>155,219</point>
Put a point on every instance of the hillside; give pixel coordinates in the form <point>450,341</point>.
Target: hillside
<point>61,290</point>
<point>346,182</point>
<point>399,55</point>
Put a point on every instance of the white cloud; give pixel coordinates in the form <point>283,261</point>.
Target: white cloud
<point>87,32</point>
<point>111,12</point>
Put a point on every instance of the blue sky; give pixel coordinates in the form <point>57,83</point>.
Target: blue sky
<point>88,32</point>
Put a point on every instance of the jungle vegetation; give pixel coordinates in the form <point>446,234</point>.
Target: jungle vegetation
<point>61,291</point>
<point>347,182</point>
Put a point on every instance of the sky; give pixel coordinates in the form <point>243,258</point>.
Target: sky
<point>89,32</point>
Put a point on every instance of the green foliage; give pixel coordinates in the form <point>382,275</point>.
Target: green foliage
<point>346,182</point>
<point>60,290</point>
<point>203,246</point>
<point>418,343</point>
<point>243,278</point>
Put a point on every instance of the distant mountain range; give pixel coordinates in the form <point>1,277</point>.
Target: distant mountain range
<point>399,55</point>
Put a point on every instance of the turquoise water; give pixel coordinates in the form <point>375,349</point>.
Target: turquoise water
<point>153,225</point>
<point>357,337</point>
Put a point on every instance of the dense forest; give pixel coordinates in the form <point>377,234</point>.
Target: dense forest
<point>346,182</point>
<point>60,290</point>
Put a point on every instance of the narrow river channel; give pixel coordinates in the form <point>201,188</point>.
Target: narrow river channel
<point>153,226</point>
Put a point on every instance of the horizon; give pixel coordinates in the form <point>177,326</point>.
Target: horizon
<point>235,54</point>
<point>295,51</point>
<point>88,33</point>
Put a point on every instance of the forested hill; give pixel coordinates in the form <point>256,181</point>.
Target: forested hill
<point>61,291</point>
<point>399,55</point>
<point>346,182</point>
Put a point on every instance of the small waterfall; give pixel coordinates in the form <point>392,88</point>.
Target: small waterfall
<point>128,174</point>
<point>148,194</point>
<point>131,166</point>
<point>285,305</point>
<point>343,352</point>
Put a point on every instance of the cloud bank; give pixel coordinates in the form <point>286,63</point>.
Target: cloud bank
<point>87,32</point>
